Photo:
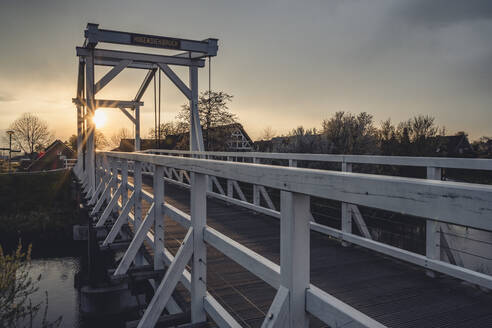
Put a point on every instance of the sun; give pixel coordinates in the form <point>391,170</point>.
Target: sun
<point>99,119</point>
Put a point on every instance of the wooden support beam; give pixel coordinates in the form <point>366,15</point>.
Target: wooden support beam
<point>258,265</point>
<point>359,221</point>
<point>122,219</point>
<point>278,314</point>
<point>97,192</point>
<point>239,191</point>
<point>256,190</point>
<point>137,241</point>
<point>143,87</point>
<point>127,114</point>
<point>218,314</point>
<point>217,184</point>
<point>111,75</point>
<point>158,217</point>
<point>294,254</point>
<point>176,80</point>
<point>105,193</point>
<point>168,283</point>
<point>334,312</point>
<point>346,213</point>
<point>109,208</point>
<point>199,268</point>
<point>267,198</point>
<point>106,103</point>
<point>432,235</point>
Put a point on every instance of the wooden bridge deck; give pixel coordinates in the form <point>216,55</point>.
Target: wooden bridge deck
<point>395,293</point>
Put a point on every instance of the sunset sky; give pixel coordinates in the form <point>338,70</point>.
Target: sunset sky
<point>287,63</point>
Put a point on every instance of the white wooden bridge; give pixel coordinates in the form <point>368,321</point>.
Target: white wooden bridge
<point>412,299</point>
<point>236,238</point>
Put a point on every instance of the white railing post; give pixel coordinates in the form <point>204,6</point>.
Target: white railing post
<point>294,254</point>
<point>210,183</point>
<point>346,212</point>
<point>230,190</point>
<point>432,237</point>
<point>199,269</point>
<point>124,181</point>
<point>158,217</point>
<point>256,189</point>
<point>114,173</point>
<point>137,209</point>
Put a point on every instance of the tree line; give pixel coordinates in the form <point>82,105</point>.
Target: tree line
<point>347,133</point>
<point>342,133</point>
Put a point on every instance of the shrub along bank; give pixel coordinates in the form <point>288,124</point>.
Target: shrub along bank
<point>39,208</point>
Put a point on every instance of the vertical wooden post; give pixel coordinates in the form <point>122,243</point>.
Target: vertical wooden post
<point>292,162</point>
<point>256,189</point>
<point>124,181</point>
<point>80,115</point>
<point>432,238</point>
<point>294,254</point>
<point>230,190</point>
<point>158,217</point>
<point>107,173</point>
<point>137,128</point>
<point>91,127</point>
<point>114,170</point>
<point>137,209</point>
<point>346,212</point>
<point>99,172</point>
<point>199,269</point>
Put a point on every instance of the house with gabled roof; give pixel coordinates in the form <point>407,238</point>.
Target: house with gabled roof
<point>52,158</point>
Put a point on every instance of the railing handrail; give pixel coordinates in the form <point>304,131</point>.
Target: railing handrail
<point>441,162</point>
<point>459,203</point>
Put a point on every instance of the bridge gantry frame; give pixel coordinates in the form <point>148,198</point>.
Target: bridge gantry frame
<point>191,53</point>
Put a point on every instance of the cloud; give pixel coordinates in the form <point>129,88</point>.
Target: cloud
<point>441,13</point>
<point>7,98</point>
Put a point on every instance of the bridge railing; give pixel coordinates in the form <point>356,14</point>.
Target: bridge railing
<point>445,202</point>
<point>450,240</point>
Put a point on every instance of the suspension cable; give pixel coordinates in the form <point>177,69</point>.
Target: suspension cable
<point>155,111</point>
<point>159,124</point>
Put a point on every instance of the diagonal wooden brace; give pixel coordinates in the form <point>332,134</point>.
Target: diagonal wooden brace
<point>137,241</point>
<point>105,193</point>
<point>359,221</point>
<point>168,284</point>
<point>122,219</point>
<point>239,191</point>
<point>266,197</point>
<point>109,208</point>
<point>217,184</point>
<point>277,316</point>
<point>96,193</point>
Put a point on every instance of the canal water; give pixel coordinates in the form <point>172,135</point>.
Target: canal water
<point>57,278</point>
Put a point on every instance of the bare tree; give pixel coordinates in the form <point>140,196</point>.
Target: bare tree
<point>169,128</point>
<point>31,133</point>
<point>351,134</point>
<point>116,138</point>
<point>72,142</point>
<point>213,110</point>
<point>268,133</point>
<point>100,141</point>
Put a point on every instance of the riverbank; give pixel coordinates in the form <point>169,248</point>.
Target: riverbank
<point>39,209</point>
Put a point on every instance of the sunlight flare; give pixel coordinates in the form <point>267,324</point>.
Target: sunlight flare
<point>99,119</point>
